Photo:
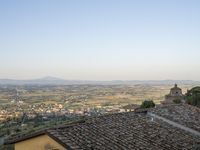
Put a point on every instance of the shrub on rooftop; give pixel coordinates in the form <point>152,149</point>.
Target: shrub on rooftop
<point>147,104</point>
<point>177,101</point>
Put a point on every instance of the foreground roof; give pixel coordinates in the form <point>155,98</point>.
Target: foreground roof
<point>183,114</point>
<point>124,131</point>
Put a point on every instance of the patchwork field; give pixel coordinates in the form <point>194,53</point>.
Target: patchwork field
<point>86,95</point>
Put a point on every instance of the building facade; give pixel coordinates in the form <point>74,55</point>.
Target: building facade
<point>174,95</point>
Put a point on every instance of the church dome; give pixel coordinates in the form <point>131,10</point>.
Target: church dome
<point>176,91</point>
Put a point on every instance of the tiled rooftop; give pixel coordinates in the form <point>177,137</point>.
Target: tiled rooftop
<point>131,131</point>
<point>124,131</point>
<point>183,114</point>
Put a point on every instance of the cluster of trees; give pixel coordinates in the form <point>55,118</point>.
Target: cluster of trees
<point>147,104</point>
<point>7,147</point>
<point>193,96</point>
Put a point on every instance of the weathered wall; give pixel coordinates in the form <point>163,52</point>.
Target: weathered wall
<point>43,142</point>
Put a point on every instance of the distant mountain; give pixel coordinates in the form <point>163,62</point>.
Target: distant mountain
<point>57,81</point>
<point>49,78</point>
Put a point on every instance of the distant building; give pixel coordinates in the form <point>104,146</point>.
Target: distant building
<point>176,91</point>
<point>130,107</point>
<point>175,94</point>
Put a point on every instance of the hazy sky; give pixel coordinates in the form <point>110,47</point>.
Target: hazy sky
<point>100,39</point>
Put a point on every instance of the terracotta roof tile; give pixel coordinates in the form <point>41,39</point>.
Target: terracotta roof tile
<point>184,114</point>
<point>124,131</point>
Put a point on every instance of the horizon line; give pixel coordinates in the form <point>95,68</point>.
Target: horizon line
<point>60,78</point>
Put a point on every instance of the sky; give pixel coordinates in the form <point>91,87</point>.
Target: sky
<point>100,39</point>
